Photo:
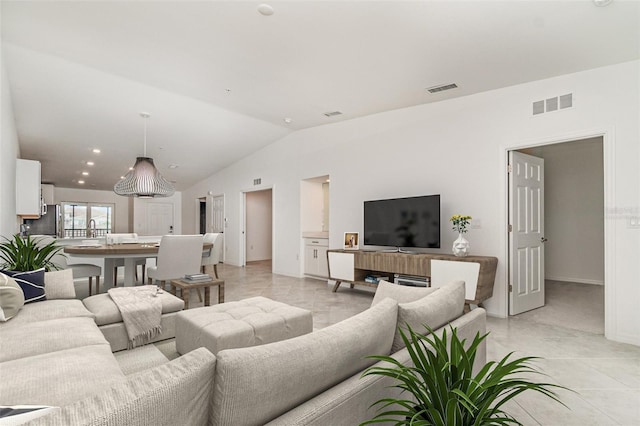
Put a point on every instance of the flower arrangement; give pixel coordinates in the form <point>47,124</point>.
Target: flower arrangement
<point>460,223</point>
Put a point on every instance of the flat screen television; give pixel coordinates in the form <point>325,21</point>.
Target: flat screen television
<point>403,222</point>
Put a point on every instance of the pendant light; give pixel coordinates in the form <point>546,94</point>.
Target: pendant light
<point>144,180</point>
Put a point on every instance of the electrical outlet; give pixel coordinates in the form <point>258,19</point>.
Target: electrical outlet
<point>634,222</point>
<point>476,224</point>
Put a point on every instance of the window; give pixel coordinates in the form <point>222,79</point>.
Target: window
<point>86,220</point>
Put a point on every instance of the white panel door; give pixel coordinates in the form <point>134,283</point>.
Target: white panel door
<point>526,233</point>
<point>217,214</point>
<point>159,218</point>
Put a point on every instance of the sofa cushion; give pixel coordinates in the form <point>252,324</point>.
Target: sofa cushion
<point>400,293</point>
<point>59,284</point>
<point>49,309</point>
<point>59,378</point>
<point>175,393</point>
<point>40,337</point>
<point>442,306</point>
<point>256,384</point>
<point>107,312</point>
<point>11,297</point>
<point>31,282</point>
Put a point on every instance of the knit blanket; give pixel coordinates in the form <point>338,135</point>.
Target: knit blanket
<point>141,311</point>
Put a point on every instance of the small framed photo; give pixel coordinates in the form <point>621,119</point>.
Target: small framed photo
<point>351,241</point>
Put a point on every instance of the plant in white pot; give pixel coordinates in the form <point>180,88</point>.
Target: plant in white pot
<point>442,390</point>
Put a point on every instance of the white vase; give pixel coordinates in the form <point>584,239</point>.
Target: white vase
<point>461,246</point>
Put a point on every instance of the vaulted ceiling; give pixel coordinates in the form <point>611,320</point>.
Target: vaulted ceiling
<point>219,78</point>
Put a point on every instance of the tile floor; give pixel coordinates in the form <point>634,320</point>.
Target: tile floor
<point>567,334</point>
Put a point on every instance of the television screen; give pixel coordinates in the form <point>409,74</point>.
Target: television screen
<point>403,222</point>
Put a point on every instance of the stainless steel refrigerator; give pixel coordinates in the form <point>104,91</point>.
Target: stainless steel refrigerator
<point>47,224</point>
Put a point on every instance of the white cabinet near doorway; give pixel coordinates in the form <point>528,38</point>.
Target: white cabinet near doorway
<point>315,257</point>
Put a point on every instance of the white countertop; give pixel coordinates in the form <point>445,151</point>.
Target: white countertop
<point>315,234</point>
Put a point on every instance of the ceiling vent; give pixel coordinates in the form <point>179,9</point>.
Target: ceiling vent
<point>332,113</point>
<point>553,104</point>
<point>441,88</point>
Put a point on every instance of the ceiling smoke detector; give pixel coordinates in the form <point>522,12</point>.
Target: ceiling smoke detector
<point>332,113</point>
<point>441,88</point>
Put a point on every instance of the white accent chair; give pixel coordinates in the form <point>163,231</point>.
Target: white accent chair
<point>178,255</point>
<point>79,270</point>
<point>211,256</point>
<point>125,238</point>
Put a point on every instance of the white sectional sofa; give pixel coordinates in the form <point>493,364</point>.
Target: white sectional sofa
<point>314,379</point>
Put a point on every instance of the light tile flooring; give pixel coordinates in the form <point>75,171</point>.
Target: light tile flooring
<point>567,334</point>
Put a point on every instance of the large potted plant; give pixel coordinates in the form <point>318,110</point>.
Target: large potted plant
<point>441,388</point>
<point>27,254</point>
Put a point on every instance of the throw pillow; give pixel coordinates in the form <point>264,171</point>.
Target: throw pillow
<point>59,284</point>
<point>434,310</point>
<point>11,297</point>
<point>400,293</point>
<point>20,414</point>
<point>32,284</point>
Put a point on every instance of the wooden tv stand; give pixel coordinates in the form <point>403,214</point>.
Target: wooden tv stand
<point>343,268</point>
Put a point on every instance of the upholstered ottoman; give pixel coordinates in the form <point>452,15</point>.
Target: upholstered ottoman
<point>249,322</point>
<point>110,322</point>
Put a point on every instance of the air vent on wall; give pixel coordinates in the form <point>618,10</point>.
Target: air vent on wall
<point>332,113</point>
<point>441,88</point>
<point>553,104</point>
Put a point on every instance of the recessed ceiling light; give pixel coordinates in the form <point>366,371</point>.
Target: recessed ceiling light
<point>265,9</point>
<point>121,177</point>
<point>173,166</point>
<point>602,3</point>
<point>90,163</point>
<point>288,120</point>
<point>85,173</point>
<point>96,151</point>
<point>130,168</point>
<point>81,182</point>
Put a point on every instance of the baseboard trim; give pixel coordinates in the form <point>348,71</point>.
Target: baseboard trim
<point>575,280</point>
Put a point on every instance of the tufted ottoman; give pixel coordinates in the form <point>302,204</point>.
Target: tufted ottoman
<point>110,322</point>
<point>249,322</point>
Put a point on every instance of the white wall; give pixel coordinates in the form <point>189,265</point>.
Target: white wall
<point>259,226</point>
<point>121,214</point>
<point>9,151</point>
<point>574,211</point>
<point>456,148</point>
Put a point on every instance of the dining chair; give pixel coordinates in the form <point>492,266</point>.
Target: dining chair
<point>120,239</point>
<point>211,256</point>
<point>178,255</point>
<point>79,270</point>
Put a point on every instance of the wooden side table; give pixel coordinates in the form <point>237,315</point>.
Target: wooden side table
<point>185,286</point>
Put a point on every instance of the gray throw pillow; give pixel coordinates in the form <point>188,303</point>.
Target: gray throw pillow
<point>434,310</point>
<point>59,284</point>
<point>400,293</point>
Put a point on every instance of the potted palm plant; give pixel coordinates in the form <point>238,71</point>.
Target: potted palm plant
<point>442,389</point>
<point>27,254</point>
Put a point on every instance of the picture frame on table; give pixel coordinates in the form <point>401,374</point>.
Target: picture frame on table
<point>351,241</point>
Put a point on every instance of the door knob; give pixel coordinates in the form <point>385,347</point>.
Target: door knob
<point>543,240</point>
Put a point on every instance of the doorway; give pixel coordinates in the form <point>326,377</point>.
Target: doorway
<point>202,215</point>
<point>572,263</point>
<point>257,241</point>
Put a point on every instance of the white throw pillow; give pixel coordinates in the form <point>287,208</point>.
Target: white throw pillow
<point>11,297</point>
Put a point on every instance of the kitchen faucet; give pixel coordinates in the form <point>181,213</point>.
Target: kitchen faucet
<point>91,229</point>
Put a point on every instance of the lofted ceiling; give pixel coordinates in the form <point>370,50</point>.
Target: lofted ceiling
<point>219,78</point>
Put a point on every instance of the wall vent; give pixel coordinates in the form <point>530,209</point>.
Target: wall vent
<point>441,88</point>
<point>332,113</point>
<point>552,104</point>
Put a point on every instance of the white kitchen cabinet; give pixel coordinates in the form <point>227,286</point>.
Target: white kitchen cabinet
<point>315,257</point>
<point>48,193</point>
<point>28,196</point>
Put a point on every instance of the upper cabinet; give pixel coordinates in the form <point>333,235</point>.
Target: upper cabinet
<point>48,192</point>
<point>28,196</point>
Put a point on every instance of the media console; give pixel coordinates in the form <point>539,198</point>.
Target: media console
<point>353,265</point>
